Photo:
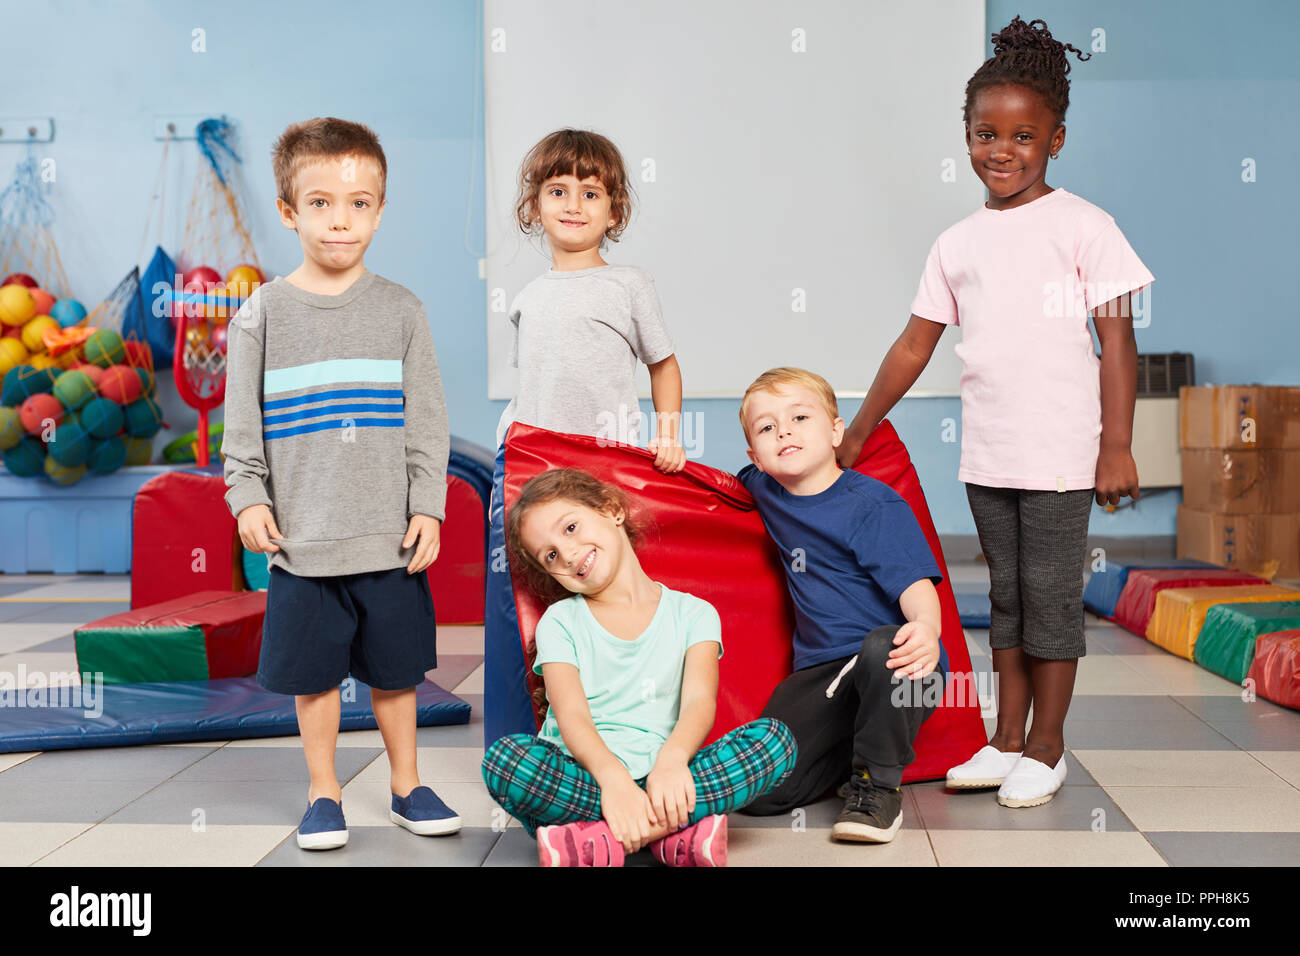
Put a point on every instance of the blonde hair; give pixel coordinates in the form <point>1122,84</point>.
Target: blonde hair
<point>774,378</point>
<point>320,139</point>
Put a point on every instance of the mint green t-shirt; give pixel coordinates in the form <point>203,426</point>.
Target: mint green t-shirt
<point>633,688</point>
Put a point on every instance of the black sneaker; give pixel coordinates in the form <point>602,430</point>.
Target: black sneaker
<point>871,814</point>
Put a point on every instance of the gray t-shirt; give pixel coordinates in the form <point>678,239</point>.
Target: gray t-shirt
<point>578,336</point>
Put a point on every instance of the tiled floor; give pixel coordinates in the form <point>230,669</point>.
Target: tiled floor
<point>1167,766</point>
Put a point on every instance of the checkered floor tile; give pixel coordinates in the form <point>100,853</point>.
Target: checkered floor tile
<point>1167,766</point>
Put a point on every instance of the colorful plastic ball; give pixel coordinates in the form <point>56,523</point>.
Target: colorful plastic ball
<point>12,354</point>
<point>26,459</point>
<point>74,389</point>
<point>68,312</point>
<point>20,278</point>
<point>16,304</point>
<point>39,409</point>
<point>44,360</point>
<point>102,418</point>
<point>219,337</point>
<point>69,445</point>
<point>94,371</point>
<point>62,474</point>
<point>44,301</point>
<point>11,332</point>
<point>202,276</point>
<point>25,381</point>
<point>120,384</point>
<point>143,418</point>
<point>107,456</point>
<point>139,451</point>
<point>104,348</point>
<point>244,273</point>
<point>11,428</point>
<point>146,381</point>
<point>138,354</point>
<point>34,331</point>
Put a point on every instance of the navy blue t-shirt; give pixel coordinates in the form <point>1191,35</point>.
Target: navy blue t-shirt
<point>849,552</point>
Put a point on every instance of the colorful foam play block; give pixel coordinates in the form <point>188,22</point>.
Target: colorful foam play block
<point>1107,582</point>
<point>1138,600</point>
<point>1276,668</point>
<point>202,636</point>
<point>1226,644</point>
<point>1180,612</point>
<point>709,540</point>
<point>183,539</point>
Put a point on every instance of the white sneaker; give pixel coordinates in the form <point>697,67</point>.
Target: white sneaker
<point>1031,782</point>
<point>988,768</point>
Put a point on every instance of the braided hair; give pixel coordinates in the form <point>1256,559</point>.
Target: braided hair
<point>1026,54</point>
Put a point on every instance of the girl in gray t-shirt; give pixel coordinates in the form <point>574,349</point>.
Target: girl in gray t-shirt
<point>581,327</point>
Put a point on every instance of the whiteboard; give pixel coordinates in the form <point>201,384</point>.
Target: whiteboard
<point>792,164</point>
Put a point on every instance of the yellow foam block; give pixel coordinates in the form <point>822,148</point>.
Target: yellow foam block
<point>1180,612</point>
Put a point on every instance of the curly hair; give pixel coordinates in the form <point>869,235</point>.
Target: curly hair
<point>580,153</point>
<point>562,484</point>
<point>1026,54</point>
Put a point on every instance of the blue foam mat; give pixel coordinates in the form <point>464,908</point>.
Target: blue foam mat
<point>1104,587</point>
<point>973,608</point>
<point>232,708</point>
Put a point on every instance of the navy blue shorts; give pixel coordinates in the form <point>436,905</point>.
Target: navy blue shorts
<point>379,627</point>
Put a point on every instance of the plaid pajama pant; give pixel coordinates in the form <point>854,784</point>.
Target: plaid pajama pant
<point>540,785</point>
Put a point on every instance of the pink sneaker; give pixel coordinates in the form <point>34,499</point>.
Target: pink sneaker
<point>700,844</point>
<point>579,844</point>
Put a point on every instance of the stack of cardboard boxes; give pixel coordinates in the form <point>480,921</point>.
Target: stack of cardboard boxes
<point>1241,477</point>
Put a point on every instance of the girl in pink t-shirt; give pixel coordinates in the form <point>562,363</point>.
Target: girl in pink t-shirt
<point>1046,426</point>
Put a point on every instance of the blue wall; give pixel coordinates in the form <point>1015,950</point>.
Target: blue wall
<point>1157,130</point>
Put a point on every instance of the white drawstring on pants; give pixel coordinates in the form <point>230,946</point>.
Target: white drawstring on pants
<point>830,691</point>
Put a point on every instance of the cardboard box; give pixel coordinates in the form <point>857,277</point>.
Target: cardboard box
<point>1227,481</point>
<point>1248,542</point>
<point>1239,416</point>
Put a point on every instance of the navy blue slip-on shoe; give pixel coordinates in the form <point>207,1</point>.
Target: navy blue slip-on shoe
<point>323,826</point>
<point>421,811</point>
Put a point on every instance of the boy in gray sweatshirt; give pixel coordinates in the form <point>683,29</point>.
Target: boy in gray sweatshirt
<point>336,445</point>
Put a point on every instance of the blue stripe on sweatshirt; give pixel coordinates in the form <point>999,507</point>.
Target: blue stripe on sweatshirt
<point>332,423</point>
<point>336,393</point>
<point>335,408</point>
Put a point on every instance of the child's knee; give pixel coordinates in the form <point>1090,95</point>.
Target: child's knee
<point>876,646</point>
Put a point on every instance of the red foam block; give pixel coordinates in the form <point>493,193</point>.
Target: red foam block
<point>1137,602</point>
<point>231,622</point>
<point>183,539</point>
<point>1276,668</point>
<point>457,578</point>
<point>704,536</point>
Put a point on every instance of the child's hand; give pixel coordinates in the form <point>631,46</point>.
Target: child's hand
<point>671,790</point>
<point>257,529</point>
<point>916,649</point>
<point>1117,476</point>
<point>627,810</point>
<point>670,456</point>
<point>428,531</point>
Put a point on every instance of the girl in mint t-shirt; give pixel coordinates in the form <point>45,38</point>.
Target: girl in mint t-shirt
<point>631,674</point>
<point>1046,425</point>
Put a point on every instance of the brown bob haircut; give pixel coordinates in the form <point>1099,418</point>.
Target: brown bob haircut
<point>320,139</point>
<point>567,484</point>
<point>580,153</point>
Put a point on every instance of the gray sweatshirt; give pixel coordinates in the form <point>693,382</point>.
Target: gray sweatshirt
<point>335,419</point>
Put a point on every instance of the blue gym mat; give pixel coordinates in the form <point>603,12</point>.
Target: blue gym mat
<point>1104,587</point>
<point>973,608</point>
<point>182,711</point>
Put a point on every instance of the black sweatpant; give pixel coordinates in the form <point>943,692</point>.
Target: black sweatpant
<point>868,723</point>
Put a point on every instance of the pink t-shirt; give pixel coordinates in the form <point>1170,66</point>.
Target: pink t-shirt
<point>1020,282</point>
